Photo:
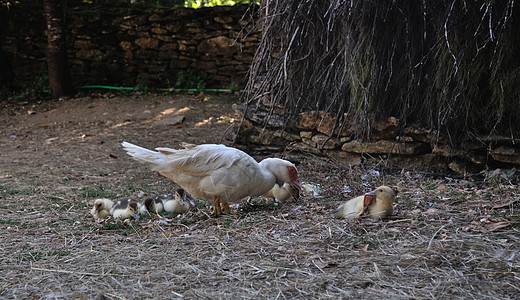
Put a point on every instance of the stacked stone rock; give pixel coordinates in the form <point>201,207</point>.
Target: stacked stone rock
<point>127,46</point>
<point>318,133</point>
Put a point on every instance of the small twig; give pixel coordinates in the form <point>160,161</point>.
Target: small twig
<point>398,221</point>
<point>135,230</point>
<point>376,268</point>
<point>68,272</point>
<point>317,266</point>
<point>225,132</point>
<point>177,294</point>
<point>180,224</point>
<point>435,234</point>
<point>53,196</point>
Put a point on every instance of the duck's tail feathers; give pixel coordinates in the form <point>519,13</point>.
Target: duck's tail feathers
<point>151,158</point>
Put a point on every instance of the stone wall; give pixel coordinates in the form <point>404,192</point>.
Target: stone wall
<point>317,133</point>
<point>128,46</point>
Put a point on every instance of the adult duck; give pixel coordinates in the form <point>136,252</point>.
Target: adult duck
<point>216,172</point>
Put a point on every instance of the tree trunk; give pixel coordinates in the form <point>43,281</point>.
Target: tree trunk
<point>60,82</point>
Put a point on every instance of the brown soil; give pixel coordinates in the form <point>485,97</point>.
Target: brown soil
<point>448,238</point>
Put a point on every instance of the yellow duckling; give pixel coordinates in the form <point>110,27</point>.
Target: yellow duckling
<point>376,204</point>
<point>283,193</point>
<point>180,203</point>
<point>125,208</point>
<point>101,208</point>
<point>152,205</point>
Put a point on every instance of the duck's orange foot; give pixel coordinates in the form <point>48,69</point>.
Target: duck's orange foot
<point>225,207</point>
<point>216,207</point>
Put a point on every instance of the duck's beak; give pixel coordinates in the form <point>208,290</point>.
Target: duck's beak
<point>296,184</point>
<point>136,216</point>
<point>369,198</point>
<point>371,193</point>
<point>396,191</point>
<point>296,196</point>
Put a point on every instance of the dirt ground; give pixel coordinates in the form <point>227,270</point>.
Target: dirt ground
<point>449,237</point>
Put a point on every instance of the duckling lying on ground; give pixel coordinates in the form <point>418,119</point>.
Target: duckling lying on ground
<point>101,208</point>
<point>180,203</point>
<point>283,193</point>
<point>152,205</point>
<point>375,204</point>
<point>125,208</point>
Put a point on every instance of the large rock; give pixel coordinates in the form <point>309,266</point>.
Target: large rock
<point>506,154</point>
<point>147,43</point>
<point>464,167</point>
<point>385,147</point>
<point>83,44</point>
<point>324,123</point>
<point>305,148</point>
<point>326,142</point>
<point>423,135</point>
<point>349,158</point>
<point>273,137</point>
<point>470,155</point>
<point>92,55</point>
<point>385,129</point>
<point>221,45</point>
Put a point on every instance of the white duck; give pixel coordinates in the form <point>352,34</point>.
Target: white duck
<point>283,193</point>
<point>101,208</point>
<point>124,209</point>
<point>180,203</point>
<point>217,172</point>
<point>384,196</point>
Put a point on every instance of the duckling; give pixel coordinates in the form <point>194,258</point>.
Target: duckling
<point>180,203</point>
<point>125,208</point>
<point>377,204</point>
<point>101,208</point>
<point>152,205</point>
<point>283,193</point>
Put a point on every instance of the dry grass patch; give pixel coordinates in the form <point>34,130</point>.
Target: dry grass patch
<point>449,238</point>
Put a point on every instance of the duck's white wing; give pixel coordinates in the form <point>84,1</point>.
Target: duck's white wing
<point>202,160</point>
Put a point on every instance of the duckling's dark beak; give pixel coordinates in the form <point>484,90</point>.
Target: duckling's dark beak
<point>396,191</point>
<point>296,196</point>
<point>297,185</point>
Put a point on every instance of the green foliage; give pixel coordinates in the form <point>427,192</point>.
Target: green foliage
<point>191,79</point>
<point>141,84</point>
<point>172,3</point>
<point>38,90</point>
<point>6,191</point>
<point>125,228</point>
<point>99,190</point>
<point>38,255</point>
<point>234,86</point>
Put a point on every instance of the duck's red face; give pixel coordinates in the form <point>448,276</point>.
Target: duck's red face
<point>293,176</point>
